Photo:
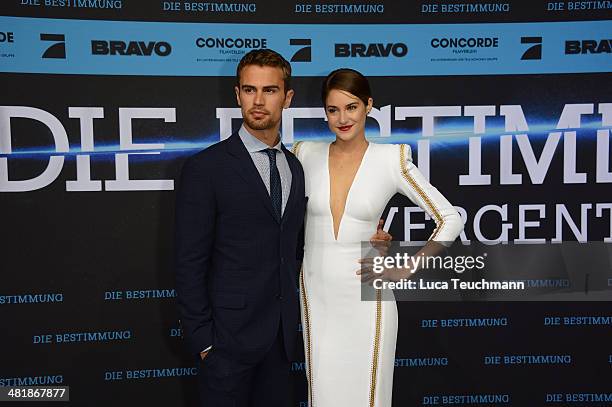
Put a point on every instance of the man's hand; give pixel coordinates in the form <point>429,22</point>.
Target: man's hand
<point>367,274</point>
<point>381,240</point>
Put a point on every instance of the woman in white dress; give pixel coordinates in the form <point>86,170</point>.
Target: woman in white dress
<point>350,343</point>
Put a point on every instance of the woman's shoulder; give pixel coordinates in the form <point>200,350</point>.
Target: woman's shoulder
<point>301,148</point>
<point>393,157</point>
<point>392,150</point>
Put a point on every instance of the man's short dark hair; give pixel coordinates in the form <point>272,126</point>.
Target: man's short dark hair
<point>266,57</point>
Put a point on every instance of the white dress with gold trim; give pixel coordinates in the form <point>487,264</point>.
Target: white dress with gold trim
<point>350,343</point>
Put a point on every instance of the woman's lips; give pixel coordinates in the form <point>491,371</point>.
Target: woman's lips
<point>345,128</point>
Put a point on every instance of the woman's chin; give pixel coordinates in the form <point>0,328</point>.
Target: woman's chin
<point>346,136</point>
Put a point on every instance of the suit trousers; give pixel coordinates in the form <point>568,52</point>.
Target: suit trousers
<point>227,382</point>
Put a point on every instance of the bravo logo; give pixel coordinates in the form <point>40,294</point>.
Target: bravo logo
<point>138,48</point>
<point>378,50</point>
<point>588,47</point>
<point>61,147</point>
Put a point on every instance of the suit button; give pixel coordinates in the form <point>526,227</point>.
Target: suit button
<point>282,260</point>
<point>279,297</point>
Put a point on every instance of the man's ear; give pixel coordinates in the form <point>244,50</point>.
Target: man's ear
<point>288,98</point>
<point>237,90</point>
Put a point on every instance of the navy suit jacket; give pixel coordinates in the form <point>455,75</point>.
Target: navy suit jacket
<point>236,265</point>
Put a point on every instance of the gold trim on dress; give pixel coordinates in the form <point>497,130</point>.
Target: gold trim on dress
<point>421,193</point>
<point>376,352</point>
<point>295,148</point>
<point>308,342</point>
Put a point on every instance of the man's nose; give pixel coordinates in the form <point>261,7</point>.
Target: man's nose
<point>259,99</point>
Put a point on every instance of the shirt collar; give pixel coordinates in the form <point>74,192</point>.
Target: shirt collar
<point>253,144</point>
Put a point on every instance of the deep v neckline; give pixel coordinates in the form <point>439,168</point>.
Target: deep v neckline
<point>335,234</point>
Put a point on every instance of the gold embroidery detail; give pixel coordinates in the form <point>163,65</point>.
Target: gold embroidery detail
<point>308,342</point>
<point>421,193</point>
<point>295,148</point>
<point>375,355</point>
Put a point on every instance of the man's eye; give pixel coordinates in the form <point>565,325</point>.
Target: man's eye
<point>269,90</point>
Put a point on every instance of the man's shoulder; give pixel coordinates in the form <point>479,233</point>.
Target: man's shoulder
<point>210,153</point>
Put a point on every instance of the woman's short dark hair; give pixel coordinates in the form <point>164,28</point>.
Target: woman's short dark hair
<point>266,57</point>
<point>348,80</point>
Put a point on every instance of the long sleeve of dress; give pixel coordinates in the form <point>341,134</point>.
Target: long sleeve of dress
<point>411,183</point>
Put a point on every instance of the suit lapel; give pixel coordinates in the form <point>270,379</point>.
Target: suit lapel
<point>292,161</point>
<point>248,171</point>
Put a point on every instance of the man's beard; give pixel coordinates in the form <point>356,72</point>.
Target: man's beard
<point>263,124</point>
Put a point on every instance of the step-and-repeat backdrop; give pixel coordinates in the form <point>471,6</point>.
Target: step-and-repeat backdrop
<point>508,109</point>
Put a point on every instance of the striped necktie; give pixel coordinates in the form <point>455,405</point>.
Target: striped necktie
<point>276,193</point>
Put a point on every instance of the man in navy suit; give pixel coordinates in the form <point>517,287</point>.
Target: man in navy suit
<point>239,214</point>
